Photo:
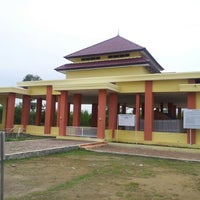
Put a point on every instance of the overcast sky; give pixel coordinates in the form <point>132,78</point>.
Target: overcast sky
<point>36,34</point>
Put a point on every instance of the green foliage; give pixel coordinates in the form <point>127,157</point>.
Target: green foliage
<point>31,77</point>
<point>18,112</point>
<point>85,118</point>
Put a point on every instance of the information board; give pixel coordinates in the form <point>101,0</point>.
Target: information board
<point>191,119</point>
<point>126,120</point>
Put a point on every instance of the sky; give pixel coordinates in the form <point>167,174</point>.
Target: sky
<point>35,35</point>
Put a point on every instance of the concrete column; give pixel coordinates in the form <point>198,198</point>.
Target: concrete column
<point>53,110</point>
<point>63,113</point>
<point>10,111</point>
<point>49,112</point>
<point>68,113</point>
<point>179,113</point>
<point>118,108</point>
<point>148,115</point>
<point>124,108</point>
<point>58,112</point>
<point>170,109</point>
<point>101,114</point>
<point>137,112</point>
<point>94,115</point>
<point>77,110</point>
<point>161,107</point>
<point>143,108</point>
<point>113,107</point>
<point>191,104</point>
<point>174,111</point>
<point>25,110</point>
<point>38,116</point>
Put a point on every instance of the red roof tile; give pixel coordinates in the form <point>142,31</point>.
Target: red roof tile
<point>114,45</point>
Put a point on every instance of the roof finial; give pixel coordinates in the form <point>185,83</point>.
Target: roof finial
<point>118,32</point>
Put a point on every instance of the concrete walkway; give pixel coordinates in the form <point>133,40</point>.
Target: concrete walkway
<point>39,147</point>
<point>30,148</point>
<point>185,154</point>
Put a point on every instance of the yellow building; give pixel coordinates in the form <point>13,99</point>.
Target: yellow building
<point>115,76</point>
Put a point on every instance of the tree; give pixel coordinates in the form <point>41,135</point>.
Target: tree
<point>31,77</point>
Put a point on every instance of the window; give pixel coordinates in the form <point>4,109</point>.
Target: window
<point>90,58</point>
<point>119,55</point>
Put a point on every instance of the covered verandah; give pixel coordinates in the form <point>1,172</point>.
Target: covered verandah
<point>153,111</point>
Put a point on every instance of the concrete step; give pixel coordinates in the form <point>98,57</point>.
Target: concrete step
<point>93,145</point>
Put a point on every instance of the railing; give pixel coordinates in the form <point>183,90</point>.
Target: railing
<point>173,125</point>
<point>82,131</point>
<point>15,132</point>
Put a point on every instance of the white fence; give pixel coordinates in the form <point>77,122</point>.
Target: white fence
<point>82,131</point>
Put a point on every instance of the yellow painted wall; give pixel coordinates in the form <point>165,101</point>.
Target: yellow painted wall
<point>131,87</point>
<point>35,130</point>
<point>115,71</point>
<point>178,139</point>
<point>134,54</point>
<point>39,130</point>
<point>167,85</point>
<point>158,138</point>
<point>54,131</point>
<point>108,135</point>
<point>129,136</point>
<point>38,90</point>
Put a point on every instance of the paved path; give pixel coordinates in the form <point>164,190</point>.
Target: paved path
<point>39,144</point>
<point>186,154</point>
<point>38,147</point>
<point>30,148</point>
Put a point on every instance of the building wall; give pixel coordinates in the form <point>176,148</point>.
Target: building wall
<point>115,71</point>
<point>134,54</point>
<point>158,138</point>
<point>168,85</point>
<point>132,87</point>
<point>38,90</point>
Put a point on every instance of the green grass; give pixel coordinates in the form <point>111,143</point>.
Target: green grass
<point>81,174</point>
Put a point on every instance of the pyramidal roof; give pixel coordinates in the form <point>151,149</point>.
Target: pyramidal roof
<point>116,44</point>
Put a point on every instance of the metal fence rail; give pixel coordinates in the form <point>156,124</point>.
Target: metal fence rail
<point>82,131</point>
<point>174,125</point>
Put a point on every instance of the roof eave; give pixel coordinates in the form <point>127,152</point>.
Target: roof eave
<point>153,61</point>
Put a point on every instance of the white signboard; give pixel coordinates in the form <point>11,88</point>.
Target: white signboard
<point>191,119</point>
<point>126,120</point>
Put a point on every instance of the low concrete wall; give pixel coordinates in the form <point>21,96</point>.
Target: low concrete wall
<point>42,152</point>
<point>158,138</point>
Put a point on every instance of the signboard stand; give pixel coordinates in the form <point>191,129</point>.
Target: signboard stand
<point>190,136</point>
<point>191,120</point>
<point>125,120</point>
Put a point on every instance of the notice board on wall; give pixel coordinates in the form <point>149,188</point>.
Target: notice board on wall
<point>191,119</point>
<point>126,120</point>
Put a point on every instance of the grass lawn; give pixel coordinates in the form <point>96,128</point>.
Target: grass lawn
<point>86,175</point>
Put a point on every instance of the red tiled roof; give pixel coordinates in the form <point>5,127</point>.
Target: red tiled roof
<point>114,45</point>
<point>103,64</point>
